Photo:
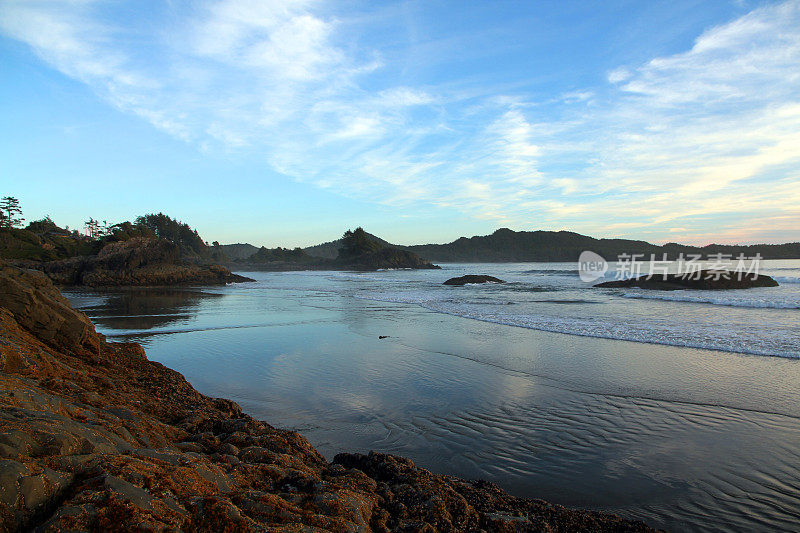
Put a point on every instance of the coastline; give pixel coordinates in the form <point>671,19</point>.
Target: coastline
<point>97,436</point>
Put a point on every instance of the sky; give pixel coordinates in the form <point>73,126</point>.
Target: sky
<point>283,123</point>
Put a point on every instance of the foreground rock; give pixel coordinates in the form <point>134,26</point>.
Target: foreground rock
<point>472,278</point>
<point>143,261</point>
<point>706,280</point>
<point>93,436</point>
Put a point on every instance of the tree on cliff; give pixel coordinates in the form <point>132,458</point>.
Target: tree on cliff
<point>92,227</point>
<point>44,225</point>
<point>357,243</point>
<point>178,232</point>
<point>361,252</point>
<point>10,213</point>
<point>126,230</point>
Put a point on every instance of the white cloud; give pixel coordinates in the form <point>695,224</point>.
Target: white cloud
<point>618,75</point>
<point>710,131</point>
<point>404,96</point>
<point>281,38</point>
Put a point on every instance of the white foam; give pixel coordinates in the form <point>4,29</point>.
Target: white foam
<point>725,299</point>
<point>678,333</point>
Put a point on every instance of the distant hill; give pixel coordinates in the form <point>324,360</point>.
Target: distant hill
<point>238,251</point>
<point>330,250</point>
<point>505,245</point>
<point>356,250</point>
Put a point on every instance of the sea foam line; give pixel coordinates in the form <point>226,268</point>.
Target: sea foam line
<point>592,327</point>
<point>755,304</point>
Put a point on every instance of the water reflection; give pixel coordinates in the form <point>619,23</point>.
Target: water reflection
<point>135,309</point>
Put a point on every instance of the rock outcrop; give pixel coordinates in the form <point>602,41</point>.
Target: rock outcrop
<point>140,261</point>
<point>389,258</point>
<point>704,280</point>
<point>473,278</point>
<point>40,308</point>
<point>93,436</point>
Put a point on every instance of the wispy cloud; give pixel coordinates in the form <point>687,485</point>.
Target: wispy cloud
<point>711,131</point>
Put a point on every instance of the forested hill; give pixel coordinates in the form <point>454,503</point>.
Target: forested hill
<point>238,251</point>
<point>330,250</point>
<point>505,245</point>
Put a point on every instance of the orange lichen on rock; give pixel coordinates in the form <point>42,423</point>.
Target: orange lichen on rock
<point>93,436</point>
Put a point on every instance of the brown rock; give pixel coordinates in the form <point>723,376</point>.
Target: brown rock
<point>41,309</point>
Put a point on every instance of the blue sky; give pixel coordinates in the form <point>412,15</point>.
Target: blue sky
<point>284,123</point>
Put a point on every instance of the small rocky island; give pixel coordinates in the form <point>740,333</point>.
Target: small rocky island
<point>704,280</point>
<point>471,279</point>
<point>356,250</point>
<point>140,261</point>
<point>95,437</point>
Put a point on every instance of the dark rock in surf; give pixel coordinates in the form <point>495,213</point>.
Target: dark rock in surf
<point>473,278</point>
<point>704,280</point>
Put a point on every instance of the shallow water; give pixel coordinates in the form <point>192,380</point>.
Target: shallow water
<point>684,437</point>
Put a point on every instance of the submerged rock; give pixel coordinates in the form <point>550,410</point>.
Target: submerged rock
<point>95,437</point>
<point>703,280</point>
<point>473,278</point>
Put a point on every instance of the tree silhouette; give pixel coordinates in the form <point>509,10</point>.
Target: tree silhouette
<point>92,228</point>
<point>357,243</point>
<point>173,230</point>
<point>10,212</point>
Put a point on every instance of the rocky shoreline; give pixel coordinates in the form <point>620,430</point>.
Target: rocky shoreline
<point>94,436</point>
<point>135,262</point>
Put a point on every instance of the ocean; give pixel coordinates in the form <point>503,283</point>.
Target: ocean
<point>679,408</point>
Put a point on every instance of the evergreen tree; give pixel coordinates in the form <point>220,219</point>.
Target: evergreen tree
<point>10,212</point>
<point>173,230</point>
<point>92,228</point>
<point>357,243</point>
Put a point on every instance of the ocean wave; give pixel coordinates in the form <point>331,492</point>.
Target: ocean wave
<point>360,276</point>
<point>786,279</point>
<point>726,300</point>
<point>572,301</point>
<point>600,329</point>
<point>707,338</point>
<point>552,272</point>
